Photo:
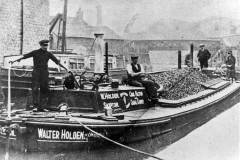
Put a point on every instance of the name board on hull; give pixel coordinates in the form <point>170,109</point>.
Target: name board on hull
<point>64,134</point>
<point>122,99</point>
<point>3,132</point>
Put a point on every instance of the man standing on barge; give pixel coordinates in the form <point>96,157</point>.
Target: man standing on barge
<point>203,56</point>
<point>40,74</point>
<point>230,62</point>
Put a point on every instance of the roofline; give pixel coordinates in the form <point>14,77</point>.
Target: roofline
<point>93,38</point>
<point>173,40</point>
<point>233,35</point>
<point>220,37</point>
<point>148,39</point>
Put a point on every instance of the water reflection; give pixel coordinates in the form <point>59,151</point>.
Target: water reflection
<point>218,139</point>
<point>113,152</point>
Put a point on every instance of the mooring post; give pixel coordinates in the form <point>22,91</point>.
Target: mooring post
<point>179,59</point>
<point>191,54</point>
<point>106,58</point>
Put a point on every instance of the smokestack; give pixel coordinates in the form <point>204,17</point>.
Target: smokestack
<point>79,14</point>
<point>99,50</point>
<point>99,15</point>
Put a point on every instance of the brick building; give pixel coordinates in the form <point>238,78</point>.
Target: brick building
<point>80,37</point>
<point>35,25</point>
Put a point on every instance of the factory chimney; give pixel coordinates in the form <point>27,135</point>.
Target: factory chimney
<point>79,14</point>
<point>99,15</point>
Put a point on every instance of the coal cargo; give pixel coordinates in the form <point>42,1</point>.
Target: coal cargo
<point>180,83</point>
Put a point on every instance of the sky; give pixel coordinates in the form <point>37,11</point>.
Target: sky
<point>117,13</point>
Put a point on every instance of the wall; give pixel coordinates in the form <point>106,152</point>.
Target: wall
<point>35,25</point>
<point>120,46</point>
<point>144,47</point>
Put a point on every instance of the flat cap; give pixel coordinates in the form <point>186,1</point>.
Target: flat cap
<point>134,57</point>
<point>42,42</point>
<point>98,34</point>
<point>201,45</point>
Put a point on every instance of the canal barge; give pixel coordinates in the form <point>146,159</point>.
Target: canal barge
<point>121,113</point>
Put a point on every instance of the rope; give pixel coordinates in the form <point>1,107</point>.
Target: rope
<point>19,75</point>
<point>119,144</point>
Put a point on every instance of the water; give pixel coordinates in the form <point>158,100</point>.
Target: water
<point>217,139</point>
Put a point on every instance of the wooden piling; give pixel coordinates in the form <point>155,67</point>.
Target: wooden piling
<point>191,54</point>
<point>106,59</point>
<point>179,59</point>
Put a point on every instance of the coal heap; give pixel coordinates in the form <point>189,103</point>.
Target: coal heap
<point>180,83</point>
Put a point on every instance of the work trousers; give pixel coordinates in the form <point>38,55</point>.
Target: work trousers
<point>231,73</point>
<point>40,81</point>
<point>203,63</point>
<point>150,86</point>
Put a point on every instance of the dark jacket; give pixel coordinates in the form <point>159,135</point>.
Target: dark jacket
<point>231,60</point>
<point>188,60</point>
<point>203,55</point>
<point>40,58</point>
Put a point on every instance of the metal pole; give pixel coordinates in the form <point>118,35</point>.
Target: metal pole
<point>179,59</point>
<point>58,35</point>
<point>106,58</point>
<point>8,120</point>
<point>7,145</point>
<point>64,26</point>
<point>191,54</point>
<point>21,28</point>
<point>124,59</point>
<point>9,91</point>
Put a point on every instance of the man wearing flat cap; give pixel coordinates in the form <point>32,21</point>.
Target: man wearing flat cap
<point>136,77</point>
<point>203,56</point>
<point>40,74</point>
<point>230,62</point>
